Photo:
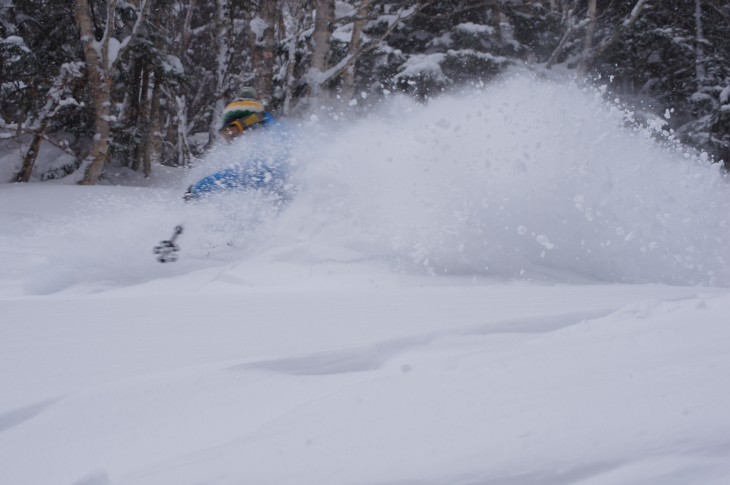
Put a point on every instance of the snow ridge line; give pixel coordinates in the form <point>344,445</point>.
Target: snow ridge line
<point>18,416</point>
<point>373,357</point>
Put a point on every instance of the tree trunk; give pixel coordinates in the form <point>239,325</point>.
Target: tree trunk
<point>700,72</point>
<point>588,42</point>
<point>136,82</point>
<point>569,22</point>
<point>323,24</point>
<point>183,147</point>
<point>154,141</point>
<point>348,77</point>
<point>185,43</point>
<point>100,87</point>
<point>153,152</point>
<point>222,38</point>
<point>141,125</point>
<point>32,154</point>
<point>567,12</point>
<point>269,12</point>
<point>324,20</point>
<point>179,109</point>
<point>299,14</point>
<point>99,66</point>
<point>337,70</point>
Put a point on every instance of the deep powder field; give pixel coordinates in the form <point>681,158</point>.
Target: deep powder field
<point>517,283</point>
<point>524,179</point>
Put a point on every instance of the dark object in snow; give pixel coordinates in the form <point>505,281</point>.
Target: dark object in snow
<point>167,250</point>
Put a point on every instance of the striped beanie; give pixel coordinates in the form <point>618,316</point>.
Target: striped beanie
<point>244,106</point>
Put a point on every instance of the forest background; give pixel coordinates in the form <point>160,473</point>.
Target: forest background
<point>139,83</point>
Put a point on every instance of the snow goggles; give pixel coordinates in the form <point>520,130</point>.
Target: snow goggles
<point>239,125</point>
<point>235,127</point>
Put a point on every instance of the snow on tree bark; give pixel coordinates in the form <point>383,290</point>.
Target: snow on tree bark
<point>323,24</point>
<point>202,51</point>
<point>699,50</point>
<point>348,76</point>
<point>298,13</point>
<point>32,154</point>
<point>588,42</point>
<point>100,87</point>
<point>101,60</point>
<point>223,31</point>
<point>264,48</point>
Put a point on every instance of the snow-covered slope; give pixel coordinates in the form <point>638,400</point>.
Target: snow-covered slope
<point>512,285</point>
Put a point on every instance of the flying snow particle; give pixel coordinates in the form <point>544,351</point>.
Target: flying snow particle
<point>543,241</point>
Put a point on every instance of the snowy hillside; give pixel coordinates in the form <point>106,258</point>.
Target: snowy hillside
<point>512,285</point>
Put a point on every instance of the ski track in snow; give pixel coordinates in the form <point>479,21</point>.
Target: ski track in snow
<point>512,285</point>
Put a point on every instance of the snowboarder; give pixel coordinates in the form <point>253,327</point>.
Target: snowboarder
<point>264,167</point>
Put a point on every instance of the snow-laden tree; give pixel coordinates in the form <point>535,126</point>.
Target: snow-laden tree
<point>41,94</point>
<point>677,58</point>
<point>104,40</point>
<point>136,83</point>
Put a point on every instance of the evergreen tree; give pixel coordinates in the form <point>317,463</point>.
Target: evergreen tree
<point>140,82</point>
<point>678,56</point>
<point>42,91</point>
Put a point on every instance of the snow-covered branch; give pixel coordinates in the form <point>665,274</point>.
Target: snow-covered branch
<point>573,27</point>
<point>625,25</point>
<point>348,60</point>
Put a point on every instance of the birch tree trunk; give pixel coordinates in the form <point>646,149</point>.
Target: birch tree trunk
<point>183,146</point>
<point>153,152</point>
<point>223,30</point>
<point>32,154</point>
<point>269,12</point>
<point>142,117</point>
<point>298,13</point>
<point>180,108</point>
<point>100,63</point>
<point>348,77</point>
<point>700,72</point>
<point>568,20</point>
<point>588,42</point>
<point>337,70</point>
<point>153,140</point>
<point>567,11</point>
<point>324,21</point>
<point>100,87</point>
